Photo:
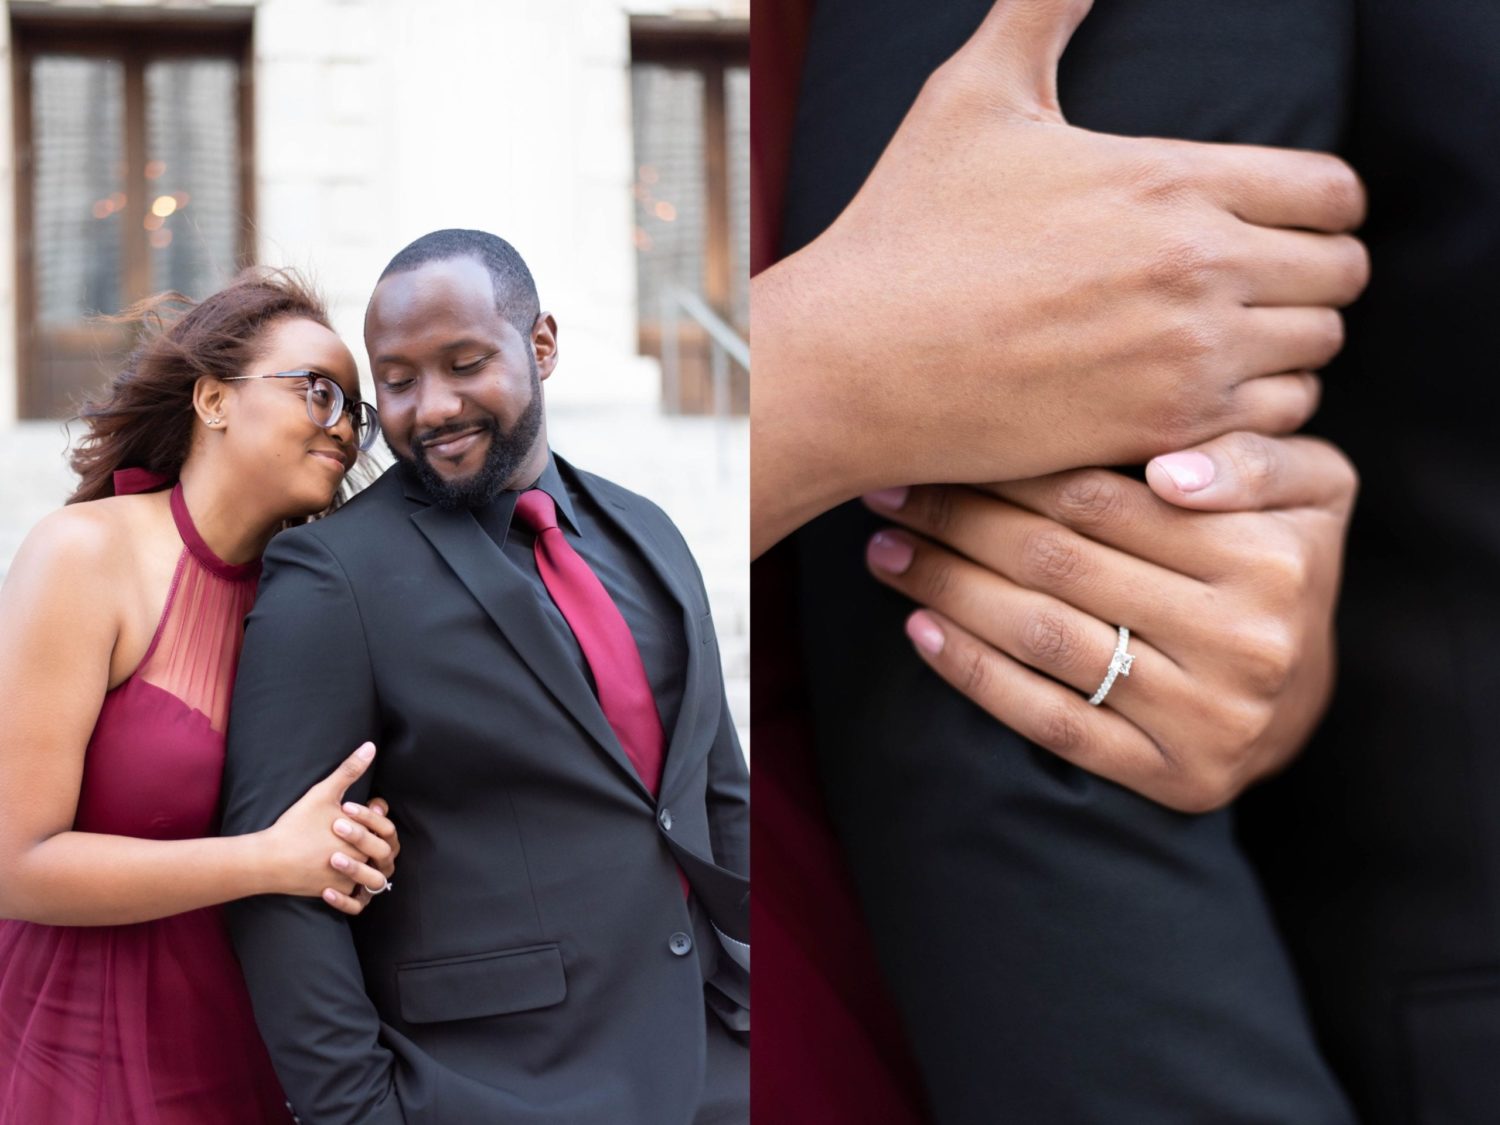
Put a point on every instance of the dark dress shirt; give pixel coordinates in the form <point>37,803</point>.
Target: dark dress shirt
<point>654,619</point>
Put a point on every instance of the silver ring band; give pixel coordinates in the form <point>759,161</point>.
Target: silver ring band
<point>1119,665</point>
<point>388,886</point>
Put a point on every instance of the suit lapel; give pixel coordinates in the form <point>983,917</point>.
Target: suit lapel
<point>511,603</point>
<point>697,693</point>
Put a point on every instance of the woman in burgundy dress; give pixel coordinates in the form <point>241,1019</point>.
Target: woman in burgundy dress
<point>121,1002</point>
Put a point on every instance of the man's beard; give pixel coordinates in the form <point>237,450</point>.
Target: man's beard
<point>507,453</point>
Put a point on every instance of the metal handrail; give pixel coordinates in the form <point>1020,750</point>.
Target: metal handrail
<point>725,345</point>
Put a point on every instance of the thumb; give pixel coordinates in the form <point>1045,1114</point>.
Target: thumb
<point>350,770</point>
<point>1020,43</point>
<point>1248,472</point>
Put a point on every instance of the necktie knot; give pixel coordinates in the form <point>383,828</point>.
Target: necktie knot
<point>536,510</point>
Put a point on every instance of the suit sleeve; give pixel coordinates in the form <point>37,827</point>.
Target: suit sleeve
<point>728,808</point>
<point>304,699</point>
<point>728,773</point>
<point>729,795</point>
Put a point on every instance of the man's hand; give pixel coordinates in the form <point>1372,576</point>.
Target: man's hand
<point>1230,609</point>
<point>1009,296</point>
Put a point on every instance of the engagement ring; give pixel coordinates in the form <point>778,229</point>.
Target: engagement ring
<point>1119,665</point>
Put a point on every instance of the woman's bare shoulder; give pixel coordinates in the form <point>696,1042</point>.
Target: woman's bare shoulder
<point>87,540</point>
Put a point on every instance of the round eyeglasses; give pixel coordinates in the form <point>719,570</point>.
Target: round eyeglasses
<point>326,403</point>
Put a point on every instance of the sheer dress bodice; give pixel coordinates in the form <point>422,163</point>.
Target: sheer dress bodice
<point>146,1024</point>
<point>156,757</point>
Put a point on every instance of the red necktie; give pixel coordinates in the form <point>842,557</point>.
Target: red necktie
<point>611,652</point>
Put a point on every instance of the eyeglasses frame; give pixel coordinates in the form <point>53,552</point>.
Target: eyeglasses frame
<point>342,405</point>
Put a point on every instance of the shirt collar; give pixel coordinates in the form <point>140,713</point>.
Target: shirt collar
<point>495,517</point>
<point>551,483</point>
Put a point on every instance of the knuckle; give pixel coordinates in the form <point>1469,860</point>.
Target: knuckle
<point>948,82</point>
<point>1050,559</point>
<point>1345,475</point>
<point>1342,193</point>
<point>935,509</point>
<point>1327,332</point>
<point>1355,269</point>
<point>1253,458</point>
<point>1193,342</point>
<point>933,577</point>
<point>1167,175</point>
<point>1242,724</point>
<point>1267,659</point>
<point>1186,417</point>
<point>1048,639</point>
<point>1202,782</point>
<point>1061,730</point>
<point>1287,573</point>
<point>1205,792</point>
<point>1185,267</point>
<point>974,673</point>
<point>1253,461</point>
<point>1093,499</point>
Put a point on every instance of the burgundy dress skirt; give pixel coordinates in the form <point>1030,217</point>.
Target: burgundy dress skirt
<point>146,1024</point>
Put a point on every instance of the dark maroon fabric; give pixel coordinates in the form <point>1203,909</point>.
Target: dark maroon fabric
<point>829,1048</point>
<point>146,1024</point>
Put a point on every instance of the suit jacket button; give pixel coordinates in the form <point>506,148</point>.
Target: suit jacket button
<point>680,944</point>
<point>664,818</point>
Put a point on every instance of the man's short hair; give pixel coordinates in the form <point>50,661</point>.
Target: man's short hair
<point>515,291</point>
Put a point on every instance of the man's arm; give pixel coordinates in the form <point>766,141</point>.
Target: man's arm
<point>728,794</point>
<point>304,697</point>
<point>728,801</point>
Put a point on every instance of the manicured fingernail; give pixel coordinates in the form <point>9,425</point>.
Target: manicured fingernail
<point>341,861</point>
<point>342,827</point>
<point>888,553</point>
<point>889,498</point>
<point>331,898</point>
<point>365,752</point>
<point>1189,471</point>
<point>352,809</point>
<point>924,633</point>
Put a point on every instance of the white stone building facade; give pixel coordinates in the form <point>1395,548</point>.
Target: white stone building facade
<point>375,121</point>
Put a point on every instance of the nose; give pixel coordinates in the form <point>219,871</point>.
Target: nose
<point>437,402</point>
<point>342,430</point>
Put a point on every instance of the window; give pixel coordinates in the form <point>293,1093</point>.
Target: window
<point>690,86</point>
<point>132,177</point>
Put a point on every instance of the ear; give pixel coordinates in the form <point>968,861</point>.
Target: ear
<point>210,398</point>
<point>544,343</point>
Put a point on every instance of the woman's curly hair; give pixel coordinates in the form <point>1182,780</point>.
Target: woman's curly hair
<point>144,417</point>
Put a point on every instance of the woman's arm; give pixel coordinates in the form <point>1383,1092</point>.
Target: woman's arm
<point>59,623</point>
<point>1230,607</point>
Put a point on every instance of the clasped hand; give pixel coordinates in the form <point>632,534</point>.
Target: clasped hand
<point>342,852</point>
<point>1230,606</point>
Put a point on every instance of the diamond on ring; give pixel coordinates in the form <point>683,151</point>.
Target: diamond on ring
<point>1119,665</point>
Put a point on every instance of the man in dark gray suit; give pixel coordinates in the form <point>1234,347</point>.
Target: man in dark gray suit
<point>530,648</point>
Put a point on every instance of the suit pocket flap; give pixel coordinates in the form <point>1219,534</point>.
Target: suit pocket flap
<point>481,984</point>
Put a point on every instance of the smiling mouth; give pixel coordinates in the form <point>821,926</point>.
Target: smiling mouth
<point>453,445</point>
<point>343,462</point>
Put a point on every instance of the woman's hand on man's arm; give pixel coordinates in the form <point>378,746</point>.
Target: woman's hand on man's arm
<point>1230,607</point>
